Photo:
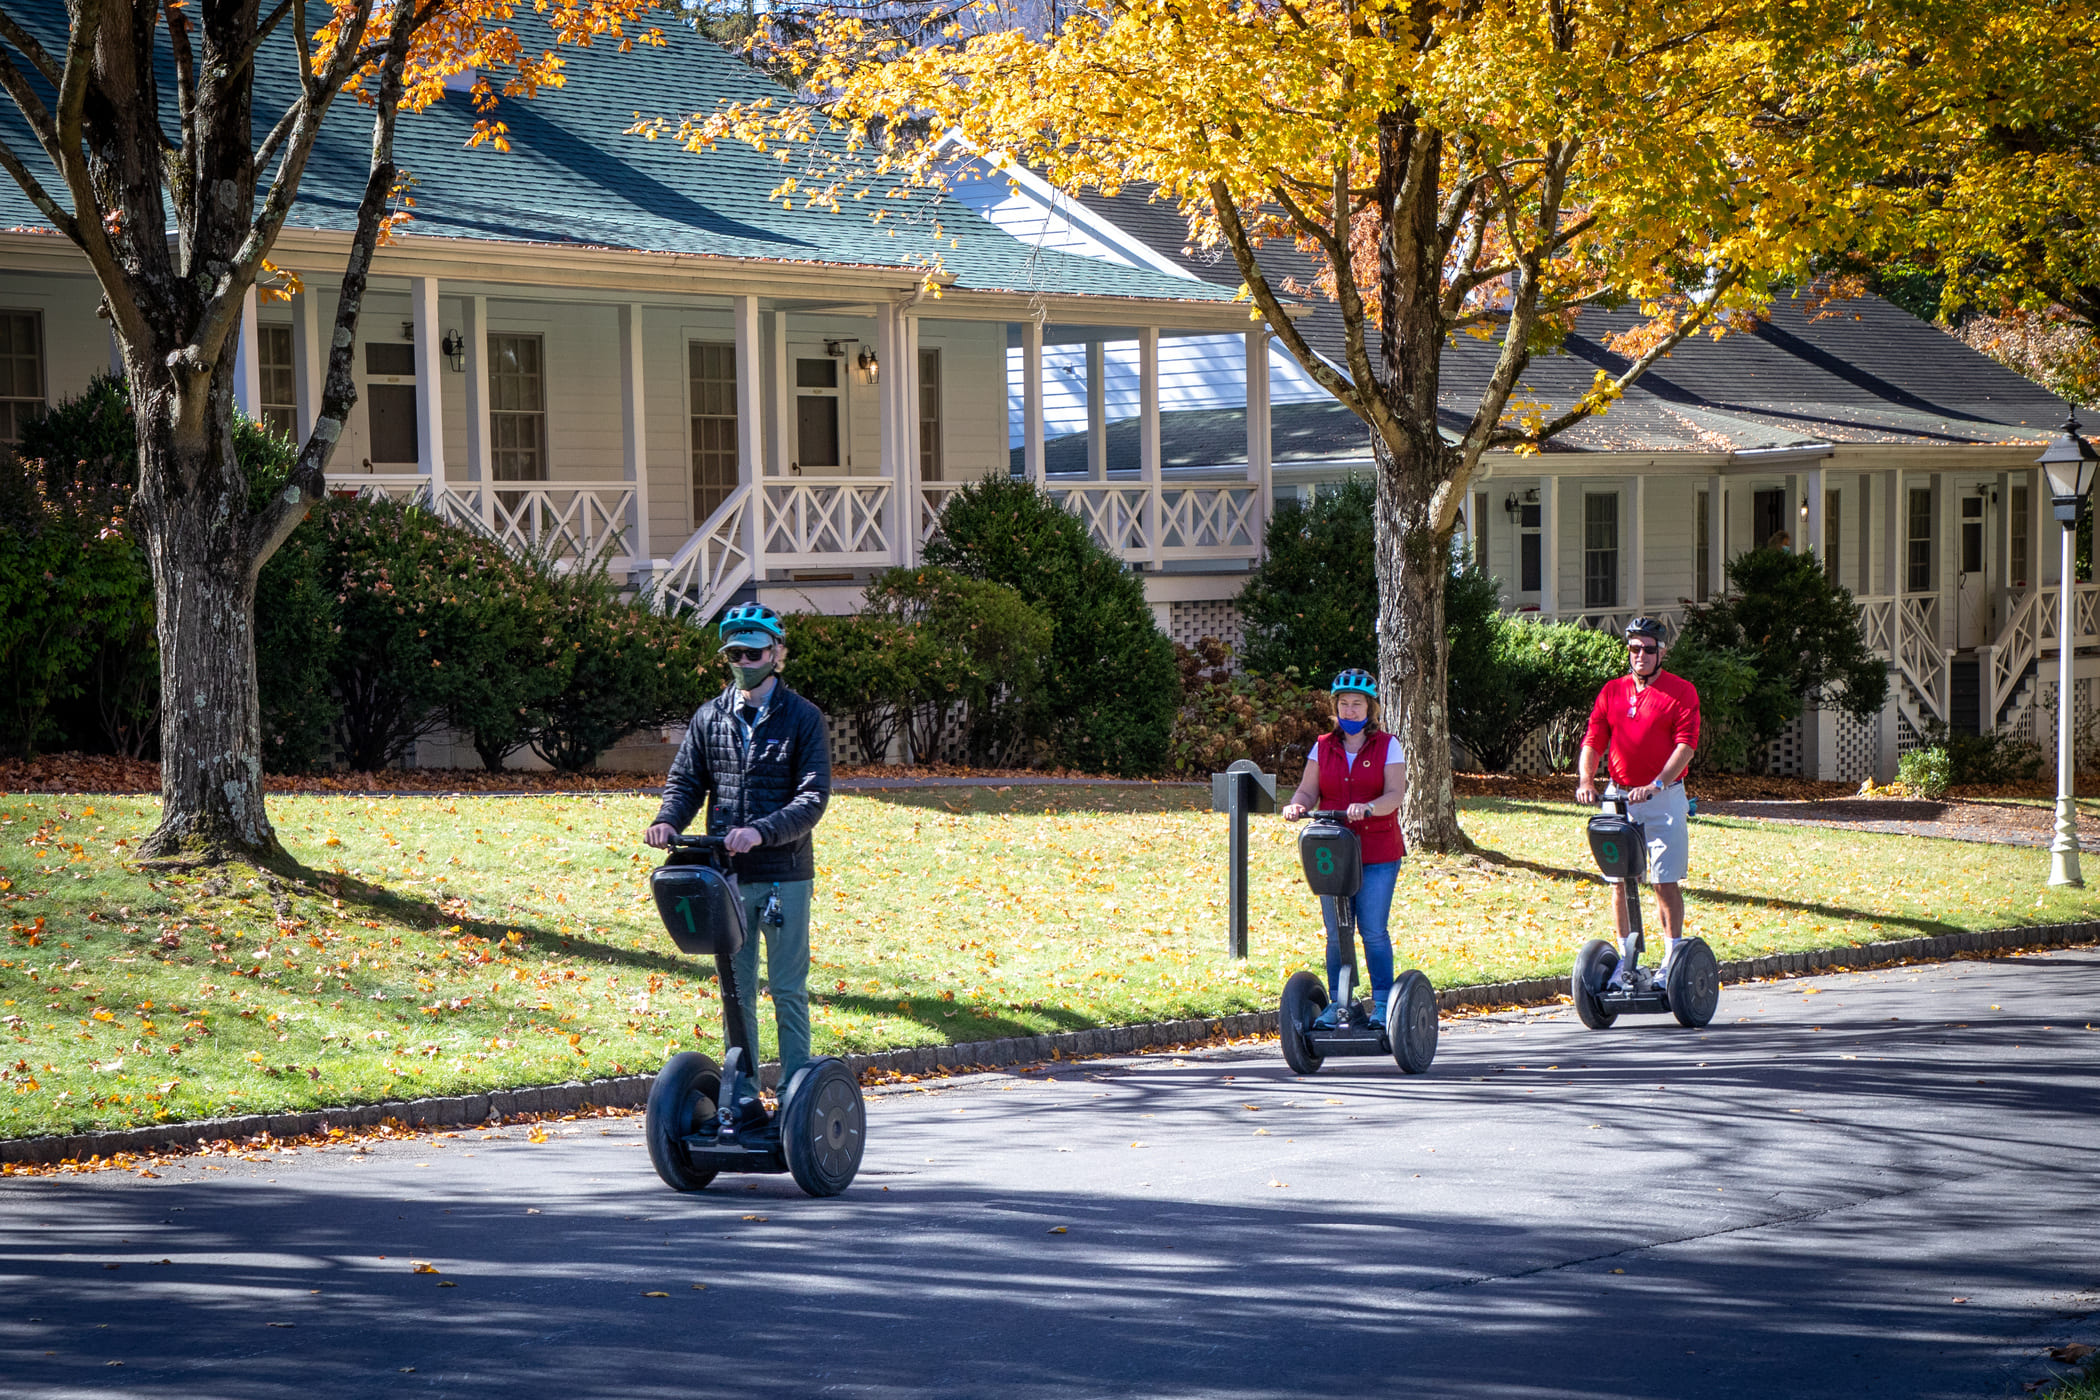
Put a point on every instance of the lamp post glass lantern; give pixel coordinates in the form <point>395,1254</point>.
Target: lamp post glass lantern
<point>2069,462</point>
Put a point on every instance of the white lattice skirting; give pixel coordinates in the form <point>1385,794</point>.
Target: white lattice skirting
<point>1192,621</point>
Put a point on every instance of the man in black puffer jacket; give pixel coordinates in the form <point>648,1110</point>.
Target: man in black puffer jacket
<point>758,756</point>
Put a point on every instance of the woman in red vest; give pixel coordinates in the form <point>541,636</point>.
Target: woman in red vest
<point>1359,768</point>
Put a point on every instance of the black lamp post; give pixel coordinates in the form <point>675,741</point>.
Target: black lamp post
<point>2069,462</point>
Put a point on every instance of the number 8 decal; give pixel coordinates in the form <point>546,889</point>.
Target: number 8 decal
<point>1323,861</point>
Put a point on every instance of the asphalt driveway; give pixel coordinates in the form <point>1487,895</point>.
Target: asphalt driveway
<point>1878,1184</point>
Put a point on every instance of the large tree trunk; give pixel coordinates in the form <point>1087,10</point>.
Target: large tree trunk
<point>1414,479</point>
<point>193,502</point>
<point>1412,652</point>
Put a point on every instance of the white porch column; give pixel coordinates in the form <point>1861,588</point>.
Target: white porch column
<point>1260,468</point>
<point>1893,548</point>
<point>247,369</point>
<point>1097,410</point>
<point>750,426</point>
<point>1716,535</point>
<point>890,463</point>
<point>1946,554</point>
<point>1549,546</point>
<point>1148,439</point>
<point>2001,527</point>
<point>430,368</point>
<point>783,400</point>
<point>308,363</point>
<point>634,437</point>
<point>2037,520</point>
<point>908,391</point>
<point>480,456</point>
<point>116,356</point>
<point>1034,460</point>
<point>1812,527</point>
<point>1637,557</point>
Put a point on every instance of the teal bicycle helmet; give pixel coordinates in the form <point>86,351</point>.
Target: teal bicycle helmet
<point>1362,682</point>
<point>752,625</point>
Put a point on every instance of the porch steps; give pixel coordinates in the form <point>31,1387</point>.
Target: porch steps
<point>1965,700</point>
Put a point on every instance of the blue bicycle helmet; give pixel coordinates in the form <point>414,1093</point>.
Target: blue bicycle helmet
<point>1362,682</point>
<point>751,625</point>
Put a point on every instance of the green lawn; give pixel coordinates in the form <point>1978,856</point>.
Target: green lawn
<point>441,945</point>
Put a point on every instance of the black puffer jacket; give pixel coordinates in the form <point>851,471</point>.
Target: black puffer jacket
<point>778,782</point>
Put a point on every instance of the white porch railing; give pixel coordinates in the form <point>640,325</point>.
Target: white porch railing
<point>712,565</point>
<point>411,488</point>
<point>1918,654</point>
<point>2030,630</point>
<point>933,499</point>
<point>565,521</point>
<point>1615,622</point>
<point>1142,521</point>
<point>836,521</point>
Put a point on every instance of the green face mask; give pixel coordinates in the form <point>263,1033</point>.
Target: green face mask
<point>751,677</point>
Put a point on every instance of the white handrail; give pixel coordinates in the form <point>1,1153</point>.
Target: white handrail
<point>710,566</point>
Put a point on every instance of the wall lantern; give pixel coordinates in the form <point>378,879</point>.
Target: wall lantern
<point>455,347</point>
<point>870,367</point>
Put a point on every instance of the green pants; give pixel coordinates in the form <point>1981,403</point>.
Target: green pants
<point>787,968</point>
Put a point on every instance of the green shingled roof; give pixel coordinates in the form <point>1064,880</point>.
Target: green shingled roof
<point>573,177</point>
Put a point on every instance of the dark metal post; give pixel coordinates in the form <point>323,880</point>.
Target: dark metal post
<point>1236,804</point>
<point>1239,792</point>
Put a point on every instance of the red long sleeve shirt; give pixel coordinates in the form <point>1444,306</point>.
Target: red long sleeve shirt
<point>1642,728</point>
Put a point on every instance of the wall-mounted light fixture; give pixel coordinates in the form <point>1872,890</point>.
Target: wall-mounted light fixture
<point>455,347</point>
<point>870,367</point>
<point>408,330</point>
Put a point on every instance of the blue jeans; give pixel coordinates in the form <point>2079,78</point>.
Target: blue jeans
<point>787,969</point>
<point>1374,906</point>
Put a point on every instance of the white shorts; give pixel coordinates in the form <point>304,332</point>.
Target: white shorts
<point>1664,818</point>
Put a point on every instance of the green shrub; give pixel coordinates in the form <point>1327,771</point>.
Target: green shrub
<point>1527,675</point>
<point>1727,681</point>
<point>627,666</point>
<point>851,666</point>
<point>426,613</point>
<point>1111,687</point>
<point>1926,772</point>
<point>979,659</point>
<point>1312,601</point>
<point>1801,633</point>
<point>1975,760</point>
<point>1224,716</point>
<point>71,580</point>
<point>88,444</point>
<point>295,643</point>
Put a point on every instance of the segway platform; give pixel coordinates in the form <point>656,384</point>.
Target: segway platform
<point>704,1119</point>
<point>1333,861</point>
<point>1691,988</point>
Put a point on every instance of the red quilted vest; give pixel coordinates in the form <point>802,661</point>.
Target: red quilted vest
<point>1344,782</point>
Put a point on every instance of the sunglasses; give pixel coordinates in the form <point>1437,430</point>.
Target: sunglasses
<point>1643,649</point>
<point>745,656</point>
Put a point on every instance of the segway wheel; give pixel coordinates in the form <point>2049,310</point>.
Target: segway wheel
<point>681,1099</point>
<point>1694,985</point>
<point>1594,966</point>
<point>1304,998</point>
<point>823,1126</point>
<point>1410,1021</point>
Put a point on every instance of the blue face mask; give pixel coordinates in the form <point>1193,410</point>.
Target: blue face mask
<point>1352,726</point>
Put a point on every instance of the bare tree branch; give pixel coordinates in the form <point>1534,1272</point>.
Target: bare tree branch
<point>38,195</point>
<point>1348,393</point>
<point>39,57</point>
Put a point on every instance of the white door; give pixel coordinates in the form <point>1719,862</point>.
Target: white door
<point>1973,623</point>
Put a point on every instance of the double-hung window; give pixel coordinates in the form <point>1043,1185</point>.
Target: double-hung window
<point>1600,551</point>
<point>21,372</point>
<point>517,408</point>
<point>1917,577</point>
<point>280,394</point>
<point>711,376</point>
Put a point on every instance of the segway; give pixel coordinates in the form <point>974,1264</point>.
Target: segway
<point>1334,869</point>
<point>1691,988</point>
<point>703,1119</point>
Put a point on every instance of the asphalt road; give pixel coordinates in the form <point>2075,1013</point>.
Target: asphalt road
<point>1870,1185</point>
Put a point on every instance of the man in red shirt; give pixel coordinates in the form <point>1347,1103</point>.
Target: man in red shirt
<point>1648,720</point>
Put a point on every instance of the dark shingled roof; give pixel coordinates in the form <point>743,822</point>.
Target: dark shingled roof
<point>572,177</point>
<point>1862,370</point>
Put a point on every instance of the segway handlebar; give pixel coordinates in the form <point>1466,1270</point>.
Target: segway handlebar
<point>1338,814</point>
<point>695,843</point>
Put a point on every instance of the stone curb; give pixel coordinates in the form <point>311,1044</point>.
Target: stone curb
<point>632,1091</point>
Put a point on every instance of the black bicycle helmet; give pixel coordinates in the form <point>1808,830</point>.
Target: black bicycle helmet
<point>1646,627</point>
